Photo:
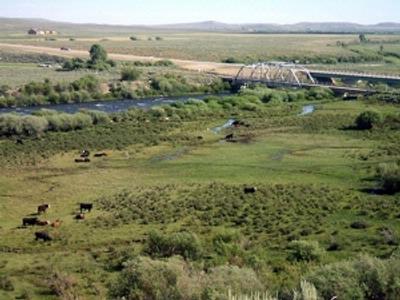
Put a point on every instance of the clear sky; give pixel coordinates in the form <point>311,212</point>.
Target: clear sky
<point>181,11</point>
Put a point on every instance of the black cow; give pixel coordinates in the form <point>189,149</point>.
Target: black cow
<point>229,137</point>
<point>82,160</point>
<point>86,206</point>
<point>43,208</point>
<point>102,154</point>
<point>250,190</point>
<point>43,235</point>
<point>85,153</point>
<point>80,217</point>
<point>29,221</point>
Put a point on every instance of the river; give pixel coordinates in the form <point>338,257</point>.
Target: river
<point>108,106</point>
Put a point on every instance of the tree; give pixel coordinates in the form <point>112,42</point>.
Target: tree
<point>363,38</point>
<point>97,54</point>
<point>368,119</point>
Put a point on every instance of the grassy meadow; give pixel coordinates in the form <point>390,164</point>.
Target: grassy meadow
<point>172,218</point>
<point>312,174</point>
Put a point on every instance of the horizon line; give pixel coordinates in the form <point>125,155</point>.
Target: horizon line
<point>199,22</point>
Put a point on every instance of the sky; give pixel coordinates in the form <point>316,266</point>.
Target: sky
<point>149,12</point>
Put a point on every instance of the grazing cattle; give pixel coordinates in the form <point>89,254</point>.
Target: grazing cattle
<point>42,208</point>
<point>42,223</point>
<point>82,160</point>
<point>200,138</point>
<point>29,221</point>
<point>56,224</point>
<point>19,142</point>
<point>85,153</point>
<point>43,235</point>
<point>80,217</point>
<point>86,206</point>
<point>250,190</point>
<point>102,154</point>
<point>229,137</point>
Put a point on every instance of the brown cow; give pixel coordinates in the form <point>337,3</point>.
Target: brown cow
<point>42,223</point>
<point>43,208</point>
<point>56,224</point>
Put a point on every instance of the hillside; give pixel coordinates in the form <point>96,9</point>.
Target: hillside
<point>18,26</point>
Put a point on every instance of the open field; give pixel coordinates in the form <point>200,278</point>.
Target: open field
<point>184,209</point>
<point>311,176</point>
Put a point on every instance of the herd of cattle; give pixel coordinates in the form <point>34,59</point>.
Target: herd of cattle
<point>35,221</point>
<point>85,154</point>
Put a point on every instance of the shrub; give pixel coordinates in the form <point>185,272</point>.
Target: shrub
<point>183,243</point>
<point>359,225</point>
<point>34,126</point>
<point>362,278</point>
<point>368,119</point>
<point>238,280</point>
<point>6,284</point>
<point>130,74</point>
<point>146,279</point>
<point>305,251</point>
<point>389,176</point>
<point>98,117</point>
<point>63,285</point>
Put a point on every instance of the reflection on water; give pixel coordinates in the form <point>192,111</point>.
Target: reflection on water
<point>308,109</point>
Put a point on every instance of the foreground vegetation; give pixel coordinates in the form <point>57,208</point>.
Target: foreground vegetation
<point>171,218</point>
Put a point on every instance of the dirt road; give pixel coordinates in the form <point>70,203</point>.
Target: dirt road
<point>200,66</point>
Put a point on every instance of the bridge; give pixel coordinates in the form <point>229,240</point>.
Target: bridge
<point>281,74</point>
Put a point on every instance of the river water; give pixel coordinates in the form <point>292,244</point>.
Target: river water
<point>108,106</point>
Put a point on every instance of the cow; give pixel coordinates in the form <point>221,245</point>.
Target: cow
<point>86,206</point>
<point>42,223</point>
<point>200,138</point>
<point>29,221</point>
<point>82,160</point>
<point>250,190</point>
<point>42,208</point>
<point>56,224</point>
<point>102,154</point>
<point>85,153</point>
<point>80,217</point>
<point>229,137</point>
<point>43,235</point>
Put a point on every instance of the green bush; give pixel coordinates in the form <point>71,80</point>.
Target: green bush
<point>368,120</point>
<point>184,244</point>
<point>361,278</point>
<point>146,279</point>
<point>305,251</point>
<point>389,176</point>
<point>130,74</point>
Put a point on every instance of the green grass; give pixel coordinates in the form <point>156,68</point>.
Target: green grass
<point>310,182</point>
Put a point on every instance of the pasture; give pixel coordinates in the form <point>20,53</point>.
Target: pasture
<point>312,176</point>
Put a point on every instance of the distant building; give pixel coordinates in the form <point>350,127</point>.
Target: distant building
<point>35,31</point>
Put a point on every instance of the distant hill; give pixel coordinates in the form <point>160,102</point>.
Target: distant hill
<point>20,26</point>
